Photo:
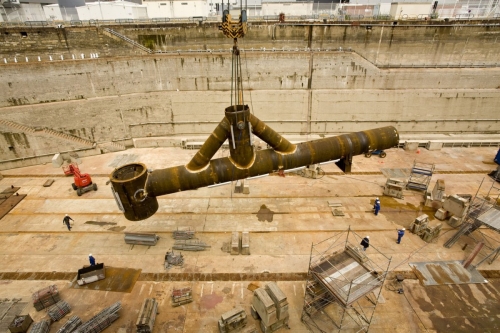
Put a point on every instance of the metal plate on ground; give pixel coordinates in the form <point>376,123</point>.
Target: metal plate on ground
<point>491,218</point>
<point>48,183</point>
<point>12,189</point>
<point>117,279</point>
<point>8,311</point>
<point>437,273</point>
<point>396,173</point>
<point>8,204</point>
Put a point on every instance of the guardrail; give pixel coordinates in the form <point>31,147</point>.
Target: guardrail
<point>271,18</point>
<point>36,23</point>
<point>464,16</point>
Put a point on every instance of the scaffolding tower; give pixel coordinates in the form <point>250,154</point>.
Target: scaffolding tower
<point>420,176</point>
<point>484,210</point>
<point>343,284</point>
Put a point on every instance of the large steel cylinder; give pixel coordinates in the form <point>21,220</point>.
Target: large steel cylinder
<point>137,194</point>
<point>240,146</point>
<point>128,184</point>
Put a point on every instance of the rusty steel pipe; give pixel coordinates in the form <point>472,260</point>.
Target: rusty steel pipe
<point>266,133</point>
<point>179,178</point>
<point>210,146</point>
<point>241,151</point>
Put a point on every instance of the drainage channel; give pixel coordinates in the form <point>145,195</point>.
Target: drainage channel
<point>166,276</point>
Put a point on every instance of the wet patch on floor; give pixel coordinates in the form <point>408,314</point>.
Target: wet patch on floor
<point>174,325</point>
<point>208,302</point>
<point>100,223</point>
<point>401,212</point>
<point>265,214</point>
<point>460,308</point>
<point>253,286</point>
<point>117,229</point>
<point>249,269</point>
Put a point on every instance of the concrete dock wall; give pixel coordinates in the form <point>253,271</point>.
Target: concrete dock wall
<point>383,43</point>
<point>295,92</point>
<point>83,79</point>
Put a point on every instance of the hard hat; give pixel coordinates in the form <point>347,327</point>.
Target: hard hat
<point>66,214</point>
<point>367,237</point>
<point>376,198</point>
<point>90,255</point>
<point>403,229</point>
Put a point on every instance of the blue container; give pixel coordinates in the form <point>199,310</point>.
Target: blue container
<point>497,158</point>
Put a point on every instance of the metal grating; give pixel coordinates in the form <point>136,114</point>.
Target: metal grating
<point>491,218</point>
<point>345,278</point>
<point>437,273</point>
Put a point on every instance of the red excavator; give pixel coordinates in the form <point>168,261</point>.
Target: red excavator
<point>83,182</point>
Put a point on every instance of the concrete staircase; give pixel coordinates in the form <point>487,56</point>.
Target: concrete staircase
<point>111,33</point>
<point>47,132</point>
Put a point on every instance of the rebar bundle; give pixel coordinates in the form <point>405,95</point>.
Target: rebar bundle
<point>147,316</point>
<point>101,320</point>
<point>59,310</point>
<point>190,245</point>
<point>71,325</point>
<point>182,296</point>
<point>40,327</point>
<point>186,233</point>
<point>45,297</point>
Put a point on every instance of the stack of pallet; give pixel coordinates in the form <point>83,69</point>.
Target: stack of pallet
<point>40,327</point>
<point>270,305</point>
<point>45,297</point>
<point>71,325</point>
<point>59,310</point>
<point>147,316</point>
<point>235,320</point>
<point>102,320</point>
